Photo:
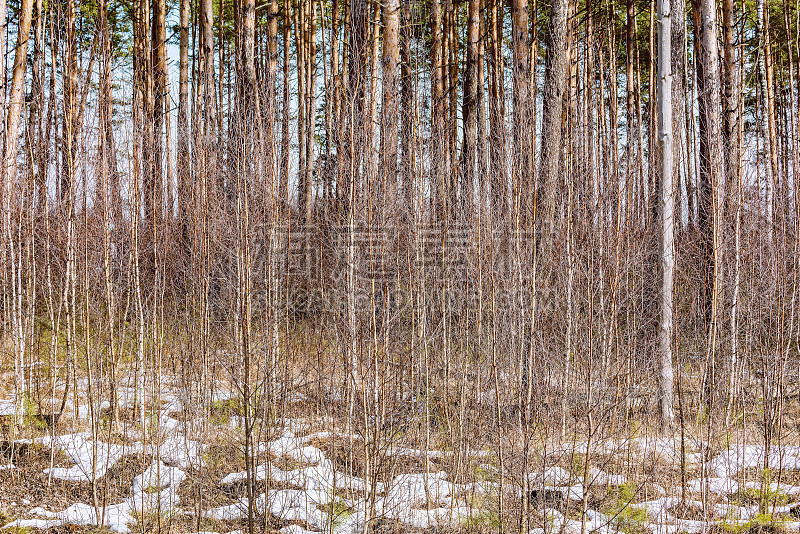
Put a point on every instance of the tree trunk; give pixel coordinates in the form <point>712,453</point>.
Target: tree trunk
<point>160,98</point>
<point>679,96</point>
<point>207,28</point>
<point>470,111</point>
<point>390,109</point>
<point>15,103</point>
<point>437,147</point>
<point>70,105</point>
<point>630,109</point>
<point>711,176</point>
<point>408,117</point>
<point>731,110</point>
<point>554,82</point>
<point>767,123</point>
<point>3,51</point>
<point>183,157</point>
<point>497,138</point>
<point>522,183</point>
<point>357,50</point>
<point>667,205</point>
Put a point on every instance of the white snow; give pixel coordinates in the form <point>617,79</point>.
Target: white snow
<point>419,500</point>
<point>44,524</point>
<point>177,450</point>
<point>83,452</point>
<point>7,407</point>
<point>774,487</point>
<point>718,485</point>
<point>230,512</point>
<point>735,459</point>
<point>552,476</point>
<point>601,478</point>
<point>295,529</point>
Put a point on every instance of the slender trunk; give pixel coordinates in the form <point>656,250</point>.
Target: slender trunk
<point>630,110</point>
<point>522,173</point>
<point>3,51</point>
<point>712,175</point>
<point>679,96</point>
<point>183,155</point>
<point>390,109</point>
<point>408,116</point>
<point>437,148</point>
<point>160,98</point>
<point>14,250</point>
<point>731,103</point>
<point>470,111</point>
<point>15,104</point>
<point>667,205</point>
<point>554,83</point>
<point>767,123</point>
<point>497,143</point>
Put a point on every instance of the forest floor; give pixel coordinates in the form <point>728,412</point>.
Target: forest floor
<point>314,475</point>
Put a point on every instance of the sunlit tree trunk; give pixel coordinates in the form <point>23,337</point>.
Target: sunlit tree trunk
<point>437,145</point>
<point>183,142</point>
<point>470,111</point>
<point>554,84</point>
<point>767,115</point>
<point>711,176</point>
<point>158,46</point>
<point>390,108</point>
<point>497,137</point>
<point>9,177</point>
<point>679,97</point>
<point>667,213</point>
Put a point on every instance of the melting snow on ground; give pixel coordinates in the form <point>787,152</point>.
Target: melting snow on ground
<point>312,495</point>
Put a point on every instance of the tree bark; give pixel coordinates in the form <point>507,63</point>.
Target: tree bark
<point>390,109</point>
<point>470,111</point>
<point>409,115</point>
<point>437,147</point>
<point>183,156</point>
<point>731,102</point>
<point>711,176</point>
<point>497,143</point>
<point>667,210</point>
<point>15,103</point>
<point>158,46</point>
<point>767,123</point>
<point>554,82</point>
<point>678,60</point>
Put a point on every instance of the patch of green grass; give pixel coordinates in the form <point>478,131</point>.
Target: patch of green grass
<point>5,518</point>
<point>751,496</point>
<point>30,417</point>
<point>575,467</point>
<point>625,517</point>
<point>762,495</point>
<point>761,523</point>
<point>223,410</point>
<point>151,520</point>
<point>483,520</point>
<point>338,511</point>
